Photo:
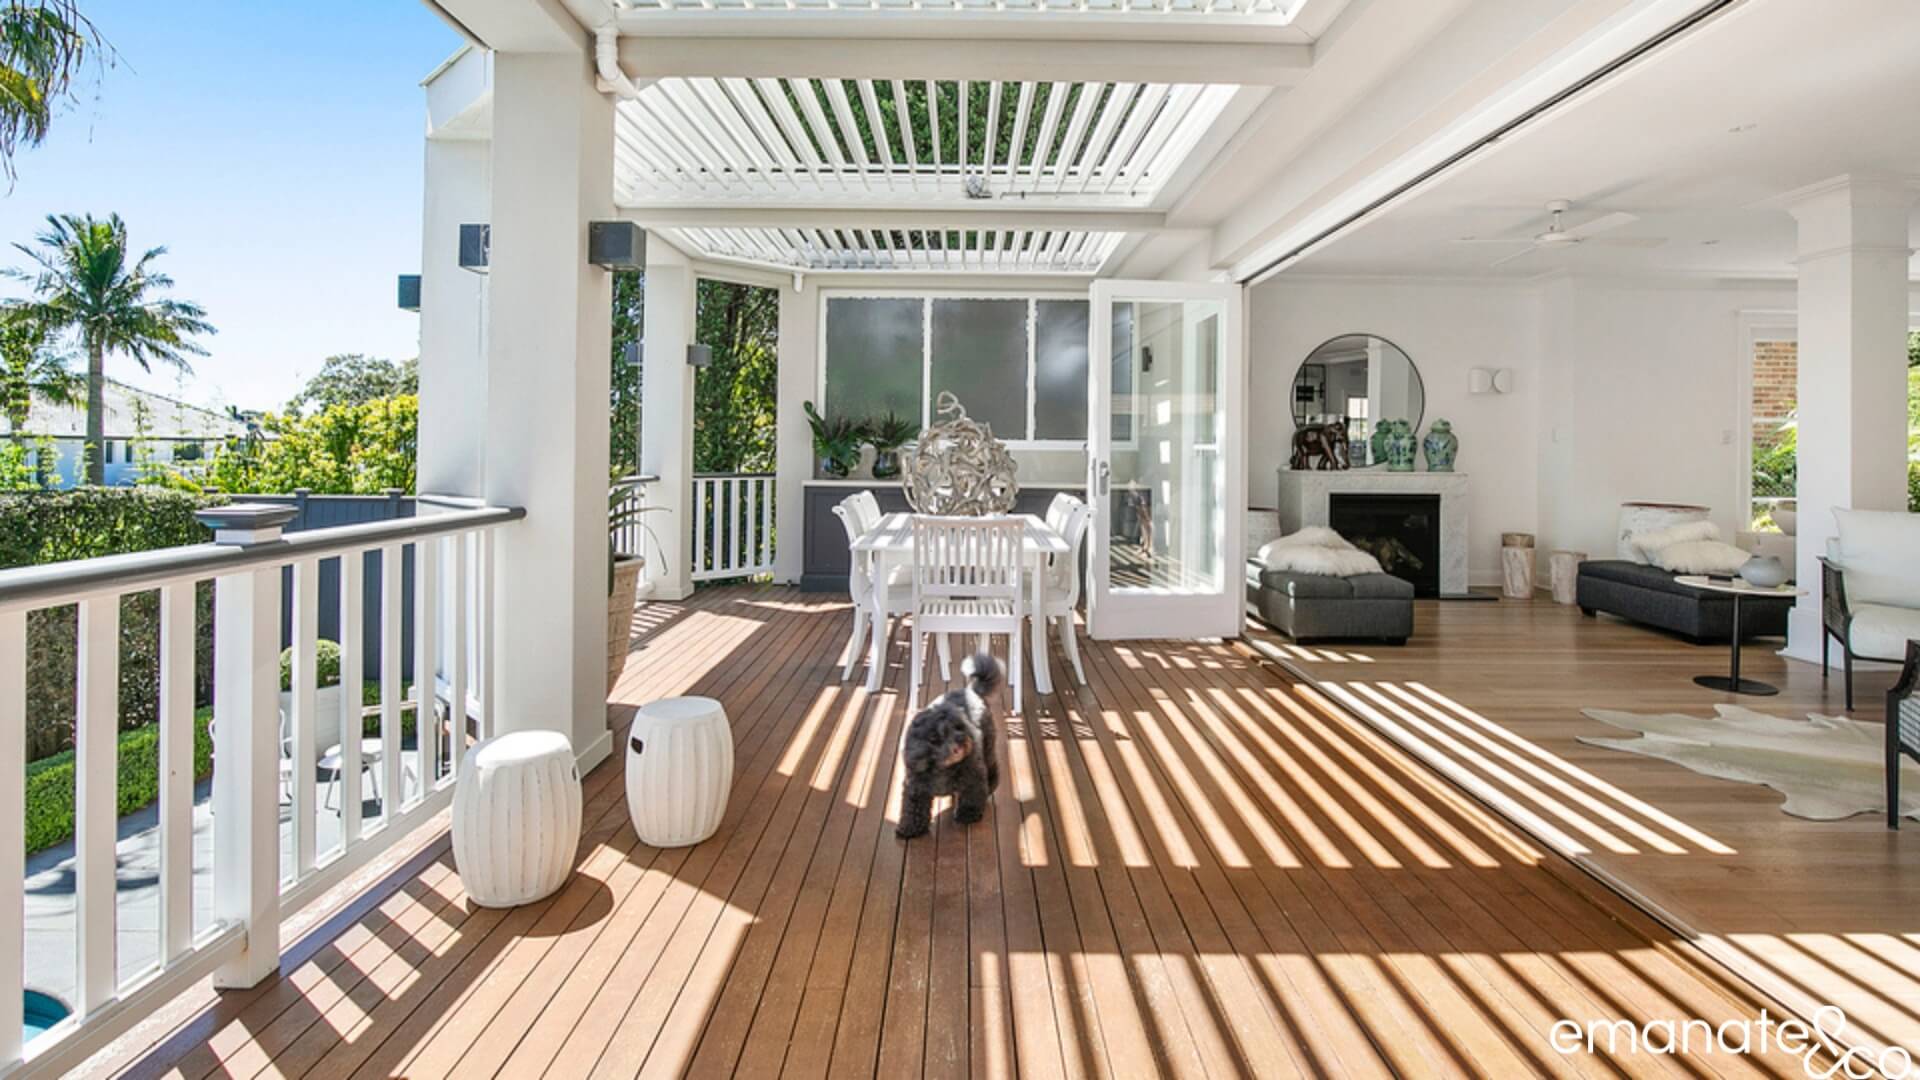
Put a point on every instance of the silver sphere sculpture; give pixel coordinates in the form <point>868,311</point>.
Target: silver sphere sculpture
<point>958,468</point>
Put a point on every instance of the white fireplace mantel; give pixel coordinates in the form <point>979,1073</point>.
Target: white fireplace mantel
<point>1305,499</point>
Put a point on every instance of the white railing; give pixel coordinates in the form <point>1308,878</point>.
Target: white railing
<point>258,867</point>
<point>732,525</point>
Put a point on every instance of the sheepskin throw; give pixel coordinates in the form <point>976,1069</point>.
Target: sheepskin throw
<point>1701,557</point>
<point>1317,550</point>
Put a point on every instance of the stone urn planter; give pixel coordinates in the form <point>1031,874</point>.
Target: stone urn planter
<point>620,605</point>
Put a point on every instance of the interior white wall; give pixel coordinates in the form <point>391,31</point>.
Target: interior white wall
<point>1642,398</point>
<point>1447,327</point>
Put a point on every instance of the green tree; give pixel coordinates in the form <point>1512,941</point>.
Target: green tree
<point>354,379</point>
<point>734,398</point>
<point>629,326</point>
<point>86,284</point>
<point>44,45</point>
<point>29,370</point>
<point>346,449</point>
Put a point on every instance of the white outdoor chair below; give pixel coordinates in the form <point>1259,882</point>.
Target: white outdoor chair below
<point>967,580</point>
<point>898,598</point>
<point>1063,585</point>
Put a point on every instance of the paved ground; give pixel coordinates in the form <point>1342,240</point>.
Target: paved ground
<point>51,939</point>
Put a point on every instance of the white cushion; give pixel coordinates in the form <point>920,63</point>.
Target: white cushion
<point>1311,536</point>
<point>1653,541</point>
<point>1879,552</point>
<point>1881,631</point>
<point>1700,557</point>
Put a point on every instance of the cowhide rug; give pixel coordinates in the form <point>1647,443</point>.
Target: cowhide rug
<point>1828,767</point>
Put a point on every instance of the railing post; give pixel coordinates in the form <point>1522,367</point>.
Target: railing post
<point>246,704</point>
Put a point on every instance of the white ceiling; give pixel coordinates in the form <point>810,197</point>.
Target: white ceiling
<point>1695,140</point>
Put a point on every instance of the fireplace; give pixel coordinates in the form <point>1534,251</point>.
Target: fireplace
<point>1401,530</point>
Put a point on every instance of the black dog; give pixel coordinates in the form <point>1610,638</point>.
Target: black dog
<point>950,748</point>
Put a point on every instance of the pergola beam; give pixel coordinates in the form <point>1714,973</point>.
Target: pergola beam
<point>984,217</point>
<point>979,59</point>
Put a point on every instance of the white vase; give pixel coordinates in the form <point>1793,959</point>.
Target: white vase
<point>326,714</point>
<point>516,818</point>
<point>679,770</point>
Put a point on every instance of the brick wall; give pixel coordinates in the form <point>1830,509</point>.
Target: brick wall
<point>1775,369</point>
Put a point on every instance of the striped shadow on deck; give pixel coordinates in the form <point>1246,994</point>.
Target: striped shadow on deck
<point>1194,866</point>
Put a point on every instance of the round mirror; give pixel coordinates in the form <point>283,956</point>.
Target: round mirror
<point>1361,379</point>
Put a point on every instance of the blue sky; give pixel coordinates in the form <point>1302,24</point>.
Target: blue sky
<point>275,149</point>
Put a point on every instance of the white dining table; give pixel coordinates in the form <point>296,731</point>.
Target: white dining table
<point>892,539</point>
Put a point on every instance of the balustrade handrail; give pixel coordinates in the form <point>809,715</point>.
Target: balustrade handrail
<point>735,476</point>
<point>37,586</point>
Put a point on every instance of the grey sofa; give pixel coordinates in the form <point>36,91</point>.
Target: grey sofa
<point>1650,595</point>
<point>1316,607</point>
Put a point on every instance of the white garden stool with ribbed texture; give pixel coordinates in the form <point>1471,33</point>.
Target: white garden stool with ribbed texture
<point>679,770</point>
<point>516,817</point>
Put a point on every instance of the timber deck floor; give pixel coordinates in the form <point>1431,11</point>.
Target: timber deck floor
<point>1814,913</point>
<point>1193,866</point>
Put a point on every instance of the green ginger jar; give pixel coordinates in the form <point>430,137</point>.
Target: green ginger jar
<point>1400,446</point>
<point>1441,446</point>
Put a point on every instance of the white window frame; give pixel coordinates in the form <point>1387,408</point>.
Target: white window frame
<point>927,296</point>
<point>1755,327</point>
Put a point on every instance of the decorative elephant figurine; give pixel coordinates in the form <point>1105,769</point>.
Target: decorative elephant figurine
<point>1321,446</point>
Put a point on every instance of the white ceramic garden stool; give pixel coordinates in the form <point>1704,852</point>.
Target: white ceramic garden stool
<point>679,770</point>
<point>516,817</point>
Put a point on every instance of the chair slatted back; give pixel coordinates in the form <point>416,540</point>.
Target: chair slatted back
<point>1066,568</point>
<point>974,557</point>
<point>859,582</point>
<point>868,505</point>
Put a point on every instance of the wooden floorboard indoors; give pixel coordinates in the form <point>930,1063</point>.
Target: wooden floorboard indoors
<point>1817,913</point>
<point>1196,865</point>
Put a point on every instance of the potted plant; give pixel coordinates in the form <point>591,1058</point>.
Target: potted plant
<point>836,442</point>
<point>624,508</point>
<point>888,434</point>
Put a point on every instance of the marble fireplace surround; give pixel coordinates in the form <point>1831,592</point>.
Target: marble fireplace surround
<point>1306,497</point>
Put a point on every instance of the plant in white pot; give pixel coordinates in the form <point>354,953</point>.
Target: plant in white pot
<point>624,587</point>
<point>326,698</point>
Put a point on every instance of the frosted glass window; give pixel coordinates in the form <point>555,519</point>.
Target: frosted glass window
<point>980,354</point>
<point>874,351</point>
<point>1060,369</point>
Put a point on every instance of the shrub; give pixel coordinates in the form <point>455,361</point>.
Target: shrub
<point>50,781</point>
<point>55,526</point>
<point>326,663</point>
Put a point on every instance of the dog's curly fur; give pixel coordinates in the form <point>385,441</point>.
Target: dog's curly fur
<point>952,748</point>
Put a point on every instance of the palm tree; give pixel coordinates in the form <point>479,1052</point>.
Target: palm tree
<point>85,284</point>
<point>30,370</point>
<point>43,47</point>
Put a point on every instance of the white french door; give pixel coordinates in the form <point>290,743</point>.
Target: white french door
<point>1166,459</point>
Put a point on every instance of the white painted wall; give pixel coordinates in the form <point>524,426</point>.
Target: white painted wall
<point>453,381</point>
<point>1448,328</point>
<point>1642,399</point>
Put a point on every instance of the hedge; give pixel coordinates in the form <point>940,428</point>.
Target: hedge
<point>54,526</point>
<point>50,781</point>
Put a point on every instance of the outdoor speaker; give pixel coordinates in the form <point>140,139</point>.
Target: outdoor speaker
<point>616,245</point>
<point>699,355</point>
<point>409,292</point>
<point>476,244</point>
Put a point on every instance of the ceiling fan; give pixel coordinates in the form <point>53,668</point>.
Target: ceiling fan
<point>1558,237</point>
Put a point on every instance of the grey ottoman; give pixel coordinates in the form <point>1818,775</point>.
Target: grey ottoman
<point>1315,607</point>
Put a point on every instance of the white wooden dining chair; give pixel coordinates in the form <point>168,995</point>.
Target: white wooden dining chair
<point>861,584</point>
<point>967,580</point>
<point>1063,583</point>
<point>1058,509</point>
<point>868,505</point>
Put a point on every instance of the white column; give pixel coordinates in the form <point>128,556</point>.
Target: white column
<point>545,427</point>
<point>798,348</point>
<point>1852,405</point>
<point>453,376</point>
<point>666,415</point>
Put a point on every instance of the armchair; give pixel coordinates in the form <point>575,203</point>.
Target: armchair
<point>1870,589</point>
<point>1903,728</point>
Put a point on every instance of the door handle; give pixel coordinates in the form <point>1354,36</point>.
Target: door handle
<point>1103,475</point>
